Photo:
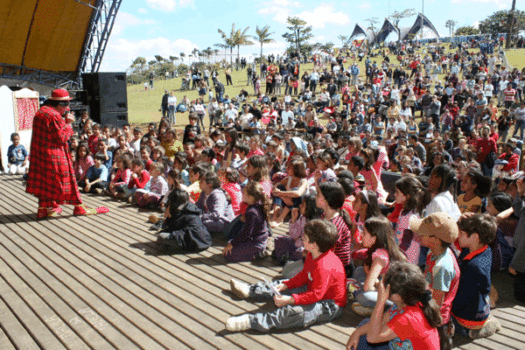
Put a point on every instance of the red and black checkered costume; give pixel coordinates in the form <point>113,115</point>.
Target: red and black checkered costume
<point>51,177</point>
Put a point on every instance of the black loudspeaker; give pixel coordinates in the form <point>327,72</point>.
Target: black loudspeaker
<point>107,97</point>
<point>114,118</point>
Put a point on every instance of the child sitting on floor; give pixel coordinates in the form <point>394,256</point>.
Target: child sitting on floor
<point>157,189</point>
<point>291,247</point>
<point>121,177</point>
<point>471,307</point>
<point>251,241</point>
<point>16,156</point>
<point>318,292</point>
<point>97,175</point>
<point>438,232</point>
<point>183,228</point>
<point>408,324</point>
<point>139,179</point>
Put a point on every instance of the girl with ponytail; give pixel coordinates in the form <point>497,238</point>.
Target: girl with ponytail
<point>410,194</point>
<point>253,237</point>
<point>410,323</point>
<point>330,199</point>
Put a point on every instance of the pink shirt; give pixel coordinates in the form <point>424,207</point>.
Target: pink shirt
<point>234,190</point>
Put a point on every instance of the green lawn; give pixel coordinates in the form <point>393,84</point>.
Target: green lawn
<point>516,58</point>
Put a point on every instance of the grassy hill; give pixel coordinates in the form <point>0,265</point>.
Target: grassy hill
<point>144,105</point>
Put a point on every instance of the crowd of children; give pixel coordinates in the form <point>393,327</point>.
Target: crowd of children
<point>372,199</point>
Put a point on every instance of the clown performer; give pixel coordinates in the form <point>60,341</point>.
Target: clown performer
<point>51,177</point>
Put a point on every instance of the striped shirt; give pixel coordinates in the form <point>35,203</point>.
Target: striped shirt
<point>344,242</point>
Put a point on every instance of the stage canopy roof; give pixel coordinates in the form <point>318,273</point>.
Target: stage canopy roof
<point>46,35</point>
<point>420,25</point>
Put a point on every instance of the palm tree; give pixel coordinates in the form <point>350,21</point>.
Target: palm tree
<point>216,53</point>
<point>343,40</point>
<point>242,39</point>
<point>195,53</point>
<point>182,55</point>
<point>229,41</point>
<point>263,36</point>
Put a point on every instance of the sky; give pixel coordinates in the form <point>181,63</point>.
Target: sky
<point>168,27</point>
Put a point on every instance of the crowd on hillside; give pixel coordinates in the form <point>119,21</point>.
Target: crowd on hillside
<point>370,196</point>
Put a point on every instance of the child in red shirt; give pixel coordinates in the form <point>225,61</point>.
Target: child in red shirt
<point>139,178</point>
<point>411,323</point>
<point>318,292</point>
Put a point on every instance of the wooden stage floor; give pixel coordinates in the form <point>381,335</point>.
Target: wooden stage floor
<point>100,283</point>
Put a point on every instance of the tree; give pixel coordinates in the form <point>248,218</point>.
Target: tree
<point>139,63</point>
<point>343,39</point>
<point>327,46</point>
<point>299,33</point>
<point>195,53</point>
<point>466,30</point>
<point>152,63</point>
<point>372,25</point>
<point>182,55</point>
<point>262,35</point>
<point>159,58</point>
<point>451,24</point>
<point>498,22</point>
<point>241,39</point>
<point>229,41</point>
<point>396,17</point>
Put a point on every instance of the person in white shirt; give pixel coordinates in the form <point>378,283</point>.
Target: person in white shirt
<point>231,113</point>
<point>287,114</point>
<point>172,104</point>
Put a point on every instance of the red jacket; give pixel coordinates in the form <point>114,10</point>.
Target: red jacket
<point>51,173</point>
<point>512,159</point>
<point>140,181</point>
<point>484,147</point>
<point>325,277</point>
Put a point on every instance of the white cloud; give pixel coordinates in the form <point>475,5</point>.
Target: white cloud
<point>142,10</point>
<point>364,6</point>
<point>476,24</point>
<point>162,5</point>
<point>125,20</point>
<point>324,14</point>
<point>281,9</point>
<point>186,3</point>
<point>121,52</point>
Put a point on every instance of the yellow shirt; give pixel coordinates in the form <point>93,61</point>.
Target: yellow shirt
<point>173,148</point>
<point>468,207</point>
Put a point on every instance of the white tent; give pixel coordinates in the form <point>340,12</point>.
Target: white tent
<point>16,115</point>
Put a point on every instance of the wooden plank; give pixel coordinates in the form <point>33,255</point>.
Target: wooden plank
<point>14,330</point>
<point>81,283</point>
<point>5,342</point>
<point>38,330</point>
<point>222,325</point>
<point>99,261</point>
<point>113,291</point>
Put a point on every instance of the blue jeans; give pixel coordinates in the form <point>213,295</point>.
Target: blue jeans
<point>520,124</point>
<point>278,200</point>
<point>290,316</point>
<point>366,299</point>
<point>365,345</point>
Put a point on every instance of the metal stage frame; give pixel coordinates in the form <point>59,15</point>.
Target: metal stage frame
<point>95,42</point>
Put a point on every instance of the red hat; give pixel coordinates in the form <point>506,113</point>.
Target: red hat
<point>60,95</point>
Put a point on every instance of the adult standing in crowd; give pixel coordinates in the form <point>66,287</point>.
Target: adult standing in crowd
<point>51,177</point>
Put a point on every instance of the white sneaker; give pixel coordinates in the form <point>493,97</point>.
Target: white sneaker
<point>240,289</point>
<point>238,323</point>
